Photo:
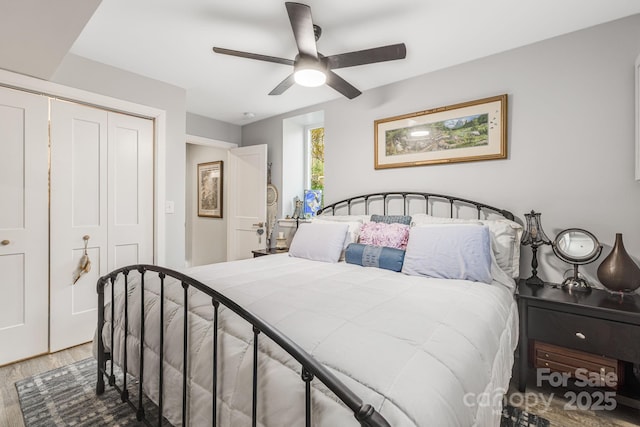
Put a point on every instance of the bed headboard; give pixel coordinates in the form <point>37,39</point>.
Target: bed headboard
<point>409,202</point>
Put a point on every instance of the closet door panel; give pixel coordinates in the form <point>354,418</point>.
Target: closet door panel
<point>131,190</point>
<point>13,290</point>
<point>86,173</point>
<point>79,216</point>
<point>23,225</point>
<point>101,188</point>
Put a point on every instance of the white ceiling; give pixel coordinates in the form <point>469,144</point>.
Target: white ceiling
<point>171,41</point>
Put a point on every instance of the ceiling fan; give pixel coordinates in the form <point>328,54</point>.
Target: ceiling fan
<point>310,68</point>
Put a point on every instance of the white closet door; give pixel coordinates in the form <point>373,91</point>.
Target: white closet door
<point>78,209</point>
<point>101,187</point>
<point>130,189</point>
<point>23,226</point>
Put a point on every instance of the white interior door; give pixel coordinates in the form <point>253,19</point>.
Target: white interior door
<point>102,189</point>
<point>130,189</point>
<point>78,209</point>
<point>23,225</point>
<point>247,199</point>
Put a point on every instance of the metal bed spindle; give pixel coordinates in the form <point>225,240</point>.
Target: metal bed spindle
<point>254,406</point>
<point>214,386</point>
<point>307,377</point>
<point>185,351</point>
<point>124,395</point>
<point>161,368</point>
<point>140,411</point>
<point>112,377</point>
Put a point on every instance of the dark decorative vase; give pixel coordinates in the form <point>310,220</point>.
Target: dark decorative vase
<point>618,272</point>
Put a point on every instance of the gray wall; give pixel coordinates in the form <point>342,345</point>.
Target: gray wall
<point>214,129</point>
<point>206,240</point>
<point>571,136</point>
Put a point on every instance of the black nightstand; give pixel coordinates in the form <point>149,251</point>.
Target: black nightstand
<point>598,323</point>
<point>262,252</point>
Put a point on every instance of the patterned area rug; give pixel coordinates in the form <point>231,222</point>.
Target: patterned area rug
<point>515,417</point>
<point>66,397</point>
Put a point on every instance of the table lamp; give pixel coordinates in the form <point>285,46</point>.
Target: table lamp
<point>534,236</point>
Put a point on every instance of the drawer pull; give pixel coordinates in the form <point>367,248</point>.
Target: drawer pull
<point>5,242</point>
<point>546,364</point>
<point>580,335</point>
<point>546,355</point>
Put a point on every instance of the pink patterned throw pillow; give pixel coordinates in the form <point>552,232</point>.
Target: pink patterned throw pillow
<point>380,234</point>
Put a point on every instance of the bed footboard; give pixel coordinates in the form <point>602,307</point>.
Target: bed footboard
<point>311,369</point>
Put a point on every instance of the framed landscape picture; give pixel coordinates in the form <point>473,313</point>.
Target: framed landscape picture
<point>475,130</point>
<point>210,189</point>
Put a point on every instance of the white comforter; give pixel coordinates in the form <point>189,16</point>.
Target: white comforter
<point>421,351</point>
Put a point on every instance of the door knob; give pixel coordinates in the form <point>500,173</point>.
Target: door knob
<point>260,224</point>
<point>5,242</point>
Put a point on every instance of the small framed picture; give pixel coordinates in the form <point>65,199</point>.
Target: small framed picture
<point>312,202</point>
<point>210,189</point>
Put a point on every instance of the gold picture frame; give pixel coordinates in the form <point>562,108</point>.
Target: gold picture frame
<point>210,189</point>
<point>465,132</point>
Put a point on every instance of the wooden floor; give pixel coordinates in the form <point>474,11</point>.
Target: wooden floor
<point>534,401</point>
<point>11,416</point>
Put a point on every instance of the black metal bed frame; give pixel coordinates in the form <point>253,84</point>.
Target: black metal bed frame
<point>366,415</point>
<point>407,196</point>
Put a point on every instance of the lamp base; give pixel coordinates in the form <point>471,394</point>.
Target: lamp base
<point>534,280</point>
<point>577,284</point>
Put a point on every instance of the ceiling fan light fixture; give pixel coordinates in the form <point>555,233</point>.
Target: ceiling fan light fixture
<point>312,69</point>
<point>310,77</point>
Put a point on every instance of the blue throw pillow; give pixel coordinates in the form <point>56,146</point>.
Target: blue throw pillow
<point>390,219</point>
<point>374,256</point>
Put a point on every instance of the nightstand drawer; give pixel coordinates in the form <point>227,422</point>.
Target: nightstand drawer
<point>589,334</point>
<point>560,359</point>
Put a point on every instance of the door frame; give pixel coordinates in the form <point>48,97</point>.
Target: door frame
<point>159,117</point>
<point>205,142</point>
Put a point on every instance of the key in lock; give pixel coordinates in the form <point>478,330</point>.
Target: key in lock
<point>260,232</point>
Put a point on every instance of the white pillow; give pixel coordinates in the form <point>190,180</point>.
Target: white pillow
<point>354,222</point>
<point>319,241</point>
<point>505,238</point>
<point>461,251</point>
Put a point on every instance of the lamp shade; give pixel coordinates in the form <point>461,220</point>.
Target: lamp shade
<point>309,77</point>
<point>534,234</point>
<point>309,72</point>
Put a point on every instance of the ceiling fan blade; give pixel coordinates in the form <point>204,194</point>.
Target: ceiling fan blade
<point>302,25</point>
<point>253,56</point>
<point>367,56</point>
<point>284,85</point>
<point>341,85</point>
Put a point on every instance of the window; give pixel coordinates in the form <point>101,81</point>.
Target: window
<point>315,158</point>
<point>302,139</point>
